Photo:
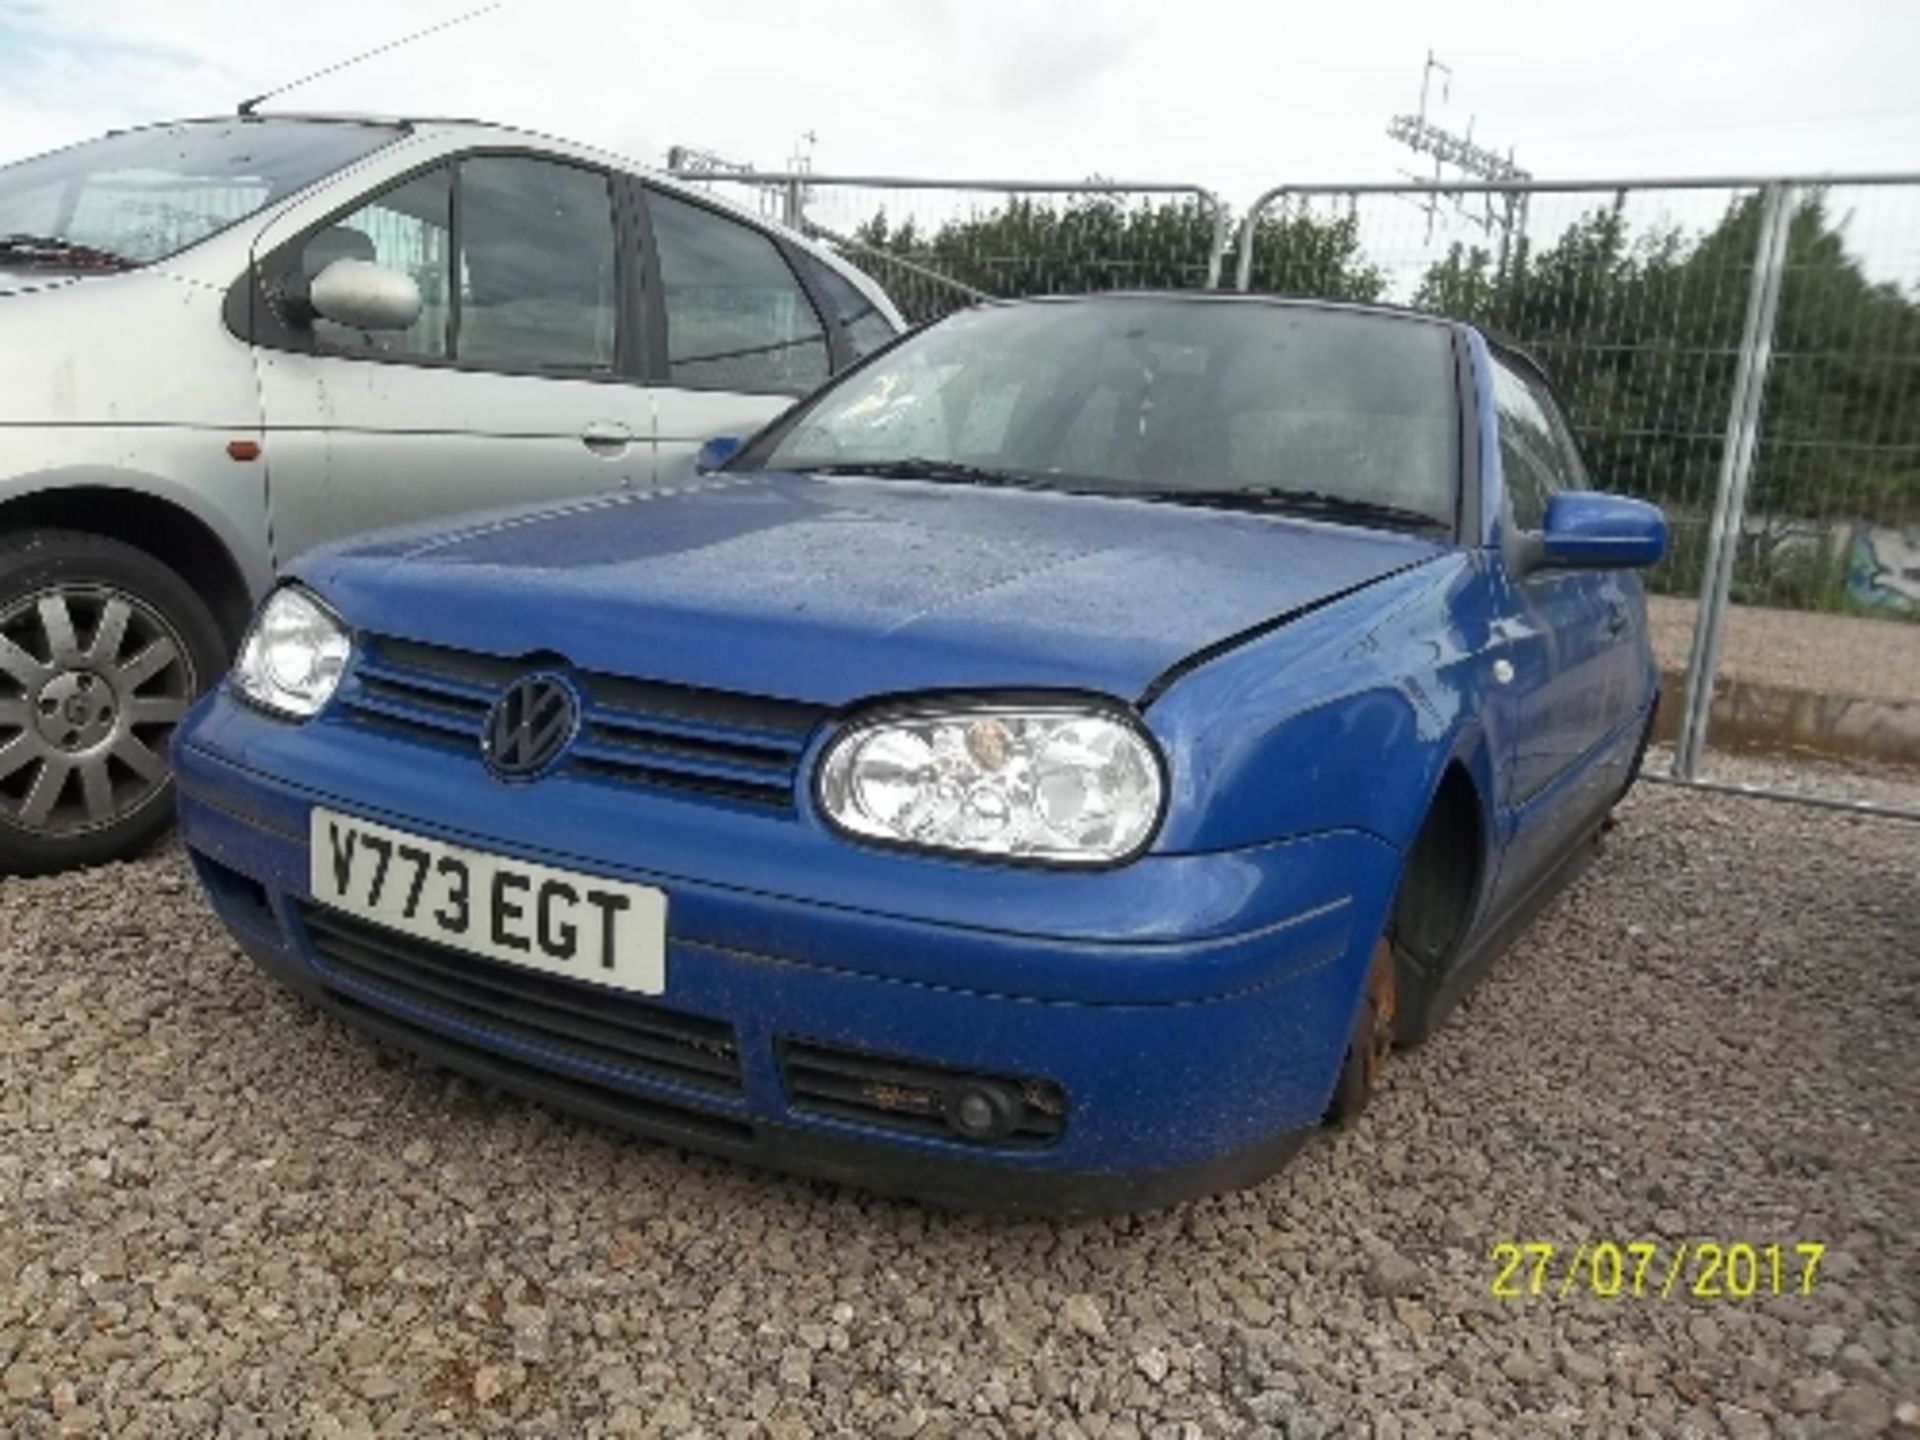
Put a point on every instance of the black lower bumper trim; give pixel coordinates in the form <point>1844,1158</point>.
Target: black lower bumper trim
<point>875,1165</point>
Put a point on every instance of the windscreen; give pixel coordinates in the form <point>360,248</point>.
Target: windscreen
<point>1176,395</point>
<point>142,195</point>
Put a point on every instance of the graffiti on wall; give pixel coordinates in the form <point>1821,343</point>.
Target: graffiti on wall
<point>1883,566</point>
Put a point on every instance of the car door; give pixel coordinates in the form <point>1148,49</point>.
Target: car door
<point>1564,636</point>
<point>744,338</point>
<point>520,380</point>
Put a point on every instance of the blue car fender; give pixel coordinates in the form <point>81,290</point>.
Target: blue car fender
<point>1346,719</point>
<point>1343,719</point>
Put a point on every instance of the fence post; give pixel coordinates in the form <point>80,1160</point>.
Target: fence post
<point>1243,262</point>
<point>1217,244</point>
<point>1736,472</point>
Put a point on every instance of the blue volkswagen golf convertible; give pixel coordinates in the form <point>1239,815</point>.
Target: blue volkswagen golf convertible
<point>1048,768</point>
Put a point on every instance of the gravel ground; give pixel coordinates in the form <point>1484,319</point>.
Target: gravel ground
<point>220,1213</point>
<point>1856,656</point>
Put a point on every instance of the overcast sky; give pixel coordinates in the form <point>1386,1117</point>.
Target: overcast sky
<point>1234,95</point>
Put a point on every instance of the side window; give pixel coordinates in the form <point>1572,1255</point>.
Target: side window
<point>409,229</point>
<point>1571,467</point>
<point>1537,456</point>
<point>737,318</point>
<point>865,327</point>
<point>537,287</point>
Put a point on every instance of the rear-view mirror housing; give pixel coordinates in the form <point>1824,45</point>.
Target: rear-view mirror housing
<point>365,296</point>
<point>1586,530</point>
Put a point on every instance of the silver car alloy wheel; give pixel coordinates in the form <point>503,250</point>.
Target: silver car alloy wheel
<point>93,680</point>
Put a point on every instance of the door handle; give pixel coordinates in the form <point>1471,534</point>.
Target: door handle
<point>606,438</point>
<point>1616,618</point>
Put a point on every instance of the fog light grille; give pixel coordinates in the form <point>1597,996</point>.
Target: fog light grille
<point>897,1093</point>
<point>240,899</point>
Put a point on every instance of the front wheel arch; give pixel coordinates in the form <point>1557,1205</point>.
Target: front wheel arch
<point>1441,880</point>
<point>166,532</point>
<point>1430,914</point>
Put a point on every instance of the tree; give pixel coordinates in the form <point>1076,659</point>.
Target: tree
<point>1032,246</point>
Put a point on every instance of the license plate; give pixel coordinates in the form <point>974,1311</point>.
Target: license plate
<point>606,932</point>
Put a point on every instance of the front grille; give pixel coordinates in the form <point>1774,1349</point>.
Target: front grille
<point>716,743</point>
<point>589,1024</point>
<point>896,1093</point>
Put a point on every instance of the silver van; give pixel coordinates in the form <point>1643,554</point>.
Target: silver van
<point>223,341</point>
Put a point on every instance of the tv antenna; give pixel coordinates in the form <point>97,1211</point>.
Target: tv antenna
<point>1421,135</point>
<point>247,107</point>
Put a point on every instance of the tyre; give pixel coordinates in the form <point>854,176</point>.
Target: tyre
<point>102,649</point>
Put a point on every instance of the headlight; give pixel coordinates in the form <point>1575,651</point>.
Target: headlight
<point>293,655</point>
<point>1078,786</point>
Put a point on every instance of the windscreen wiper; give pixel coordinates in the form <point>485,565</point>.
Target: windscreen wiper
<point>925,467</point>
<point>1285,500</point>
<point>52,250</point>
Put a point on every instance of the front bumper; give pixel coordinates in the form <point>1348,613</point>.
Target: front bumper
<point>1186,1065</point>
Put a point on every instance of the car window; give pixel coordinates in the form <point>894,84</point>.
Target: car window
<point>537,287</point>
<point>1537,456</point>
<point>858,317</point>
<point>408,228</point>
<point>140,195</point>
<point>737,318</point>
<point>1570,466</point>
<point>1169,396</point>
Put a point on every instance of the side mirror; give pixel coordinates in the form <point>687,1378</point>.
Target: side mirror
<point>365,296</point>
<point>715,453</point>
<point>1589,531</point>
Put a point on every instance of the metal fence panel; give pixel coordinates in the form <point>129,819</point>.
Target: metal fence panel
<point>1747,354</point>
<point>940,245</point>
<point>1819,643</point>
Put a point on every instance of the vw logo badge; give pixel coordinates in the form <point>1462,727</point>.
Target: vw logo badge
<point>529,726</point>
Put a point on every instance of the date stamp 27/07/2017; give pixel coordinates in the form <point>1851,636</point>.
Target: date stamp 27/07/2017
<point>1654,1270</point>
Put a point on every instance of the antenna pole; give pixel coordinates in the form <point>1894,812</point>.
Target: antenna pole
<point>1424,137</point>
<point>247,107</point>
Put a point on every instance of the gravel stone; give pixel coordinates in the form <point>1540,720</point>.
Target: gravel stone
<point>1810,1393</point>
<point>223,1214</point>
<point>1583,1368</point>
<point>1742,1424</point>
<point>1153,1364</point>
<point>1082,1313</point>
<point>1390,1273</point>
<point>22,1381</point>
<point>1523,1369</point>
<point>1861,1410</point>
<point>1824,1341</point>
